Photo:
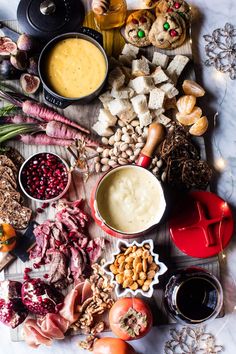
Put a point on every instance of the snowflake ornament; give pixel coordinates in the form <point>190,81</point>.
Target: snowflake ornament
<point>221,50</point>
<point>190,340</point>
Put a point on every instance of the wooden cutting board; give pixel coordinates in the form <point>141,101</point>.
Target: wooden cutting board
<point>86,115</point>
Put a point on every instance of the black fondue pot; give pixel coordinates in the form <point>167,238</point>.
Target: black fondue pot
<point>52,97</point>
<point>46,19</point>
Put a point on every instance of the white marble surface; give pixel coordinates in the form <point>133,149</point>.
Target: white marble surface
<point>209,14</point>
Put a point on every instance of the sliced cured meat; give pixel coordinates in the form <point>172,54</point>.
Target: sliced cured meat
<point>86,291</point>
<point>72,301</point>
<point>94,249</point>
<point>53,326</point>
<point>65,242</point>
<point>33,335</point>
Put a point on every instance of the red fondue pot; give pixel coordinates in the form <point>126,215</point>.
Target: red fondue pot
<point>155,136</point>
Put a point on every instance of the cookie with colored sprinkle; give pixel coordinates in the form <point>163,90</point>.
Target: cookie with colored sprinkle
<point>137,27</point>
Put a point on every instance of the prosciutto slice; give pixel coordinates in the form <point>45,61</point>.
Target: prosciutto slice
<point>73,299</point>
<point>53,326</point>
<point>33,335</point>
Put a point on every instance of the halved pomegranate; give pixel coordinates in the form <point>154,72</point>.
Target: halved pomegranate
<point>40,298</point>
<point>12,310</point>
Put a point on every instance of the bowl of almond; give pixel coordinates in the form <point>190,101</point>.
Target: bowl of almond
<point>135,268</point>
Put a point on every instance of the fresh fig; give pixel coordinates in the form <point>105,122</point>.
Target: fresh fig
<point>7,46</point>
<point>26,43</point>
<point>7,71</point>
<point>12,310</point>
<point>20,60</point>
<point>29,83</point>
<point>40,298</point>
<point>33,66</point>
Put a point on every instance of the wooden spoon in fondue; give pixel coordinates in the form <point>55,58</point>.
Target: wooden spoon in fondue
<point>156,134</point>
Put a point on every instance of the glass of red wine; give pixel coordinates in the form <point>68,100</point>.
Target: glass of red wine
<point>193,296</point>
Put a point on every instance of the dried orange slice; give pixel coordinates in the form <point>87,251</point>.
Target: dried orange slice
<point>192,88</point>
<point>186,103</point>
<point>189,119</point>
<point>200,127</point>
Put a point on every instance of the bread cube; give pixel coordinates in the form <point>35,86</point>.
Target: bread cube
<point>159,76</point>
<point>169,89</point>
<point>116,78</point>
<point>161,118</point>
<point>139,103</point>
<point>117,106</point>
<point>142,84</point>
<point>160,59</point>
<point>156,99</point>
<point>128,115</point>
<point>130,50</point>
<point>102,129</point>
<point>140,67</point>
<point>176,67</point>
<point>124,93</point>
<point>145,119</point>
<point>106,118</point>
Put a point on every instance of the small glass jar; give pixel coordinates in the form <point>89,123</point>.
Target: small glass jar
<point>193,296</point>
<point>114,17</point>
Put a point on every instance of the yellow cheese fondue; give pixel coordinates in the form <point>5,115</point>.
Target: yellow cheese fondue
<point>129,199</point>
<point>75,68</point>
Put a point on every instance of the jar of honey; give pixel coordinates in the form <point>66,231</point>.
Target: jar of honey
<point>109,14</point>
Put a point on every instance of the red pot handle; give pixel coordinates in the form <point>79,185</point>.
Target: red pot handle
<point>156,134</point>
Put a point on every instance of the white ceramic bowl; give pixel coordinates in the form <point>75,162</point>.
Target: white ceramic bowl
<point>44,200</point>
<point>118,288</point>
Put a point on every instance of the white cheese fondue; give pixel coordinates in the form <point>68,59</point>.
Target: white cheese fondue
<point>129,199</point>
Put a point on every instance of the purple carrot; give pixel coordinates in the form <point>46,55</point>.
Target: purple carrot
<point>38,110</point>
<point>62,131</point>
<point>43,139</point>
<point>18,119</point>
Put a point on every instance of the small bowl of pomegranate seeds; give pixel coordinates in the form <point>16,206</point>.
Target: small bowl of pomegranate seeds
<point>44,177</point>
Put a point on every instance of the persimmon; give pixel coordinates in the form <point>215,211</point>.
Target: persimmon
<point>130,318</point>
<point>109,345</point>
<point>7,238</point>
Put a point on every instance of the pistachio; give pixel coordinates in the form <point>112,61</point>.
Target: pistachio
<point>105,168</point>
<point>104,160</point>
<point>122,161</point>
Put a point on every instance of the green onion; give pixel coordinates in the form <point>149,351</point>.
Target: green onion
<point>8,110</point>
<point>9,131</point>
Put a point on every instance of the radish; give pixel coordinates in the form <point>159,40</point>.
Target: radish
<point>18,119</point>
<point>62,131</point>
<point>43,139</point>
<point>38,110</point>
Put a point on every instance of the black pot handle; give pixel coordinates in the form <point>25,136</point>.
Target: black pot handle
<point>58,102</point>
<point>91,33</point>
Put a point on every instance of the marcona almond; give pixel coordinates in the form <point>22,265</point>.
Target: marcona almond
<point>140,282</point>
<point>186,103</point>
<point>192,88</point>
<point>119,278</point>
<point>142,275</point>
<point>128,273</point>
<point>113,269</point>
<point>127,283</point>
<point>134,286</point>
<point>153,266</point>
<point>145,265</point>
<point>122,267</point>
<point>151,274</point>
